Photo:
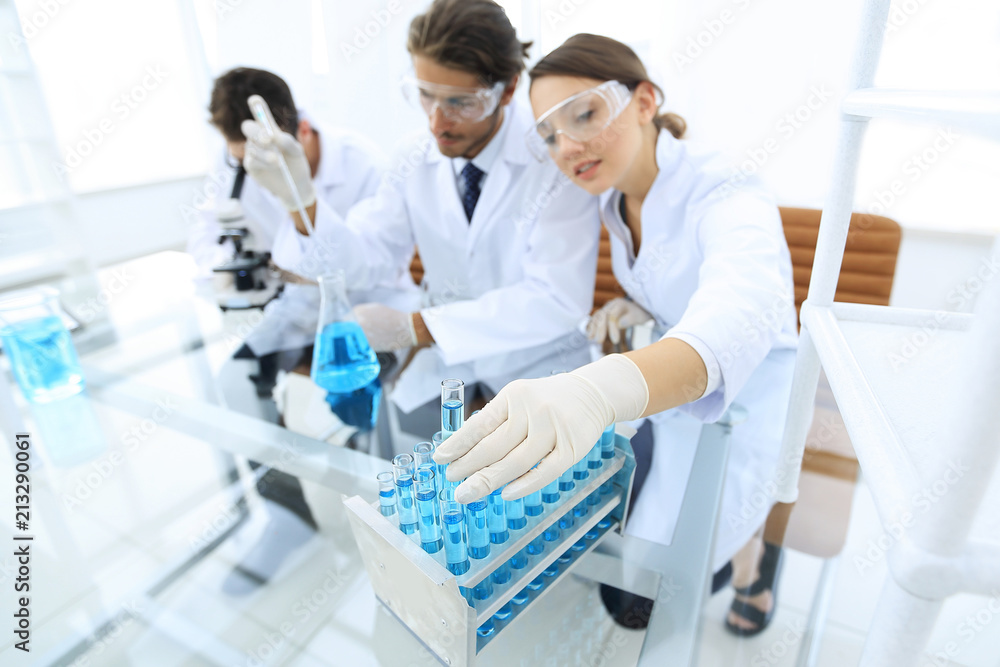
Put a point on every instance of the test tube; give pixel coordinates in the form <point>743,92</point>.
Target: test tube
<point>608,443</point>
<point>496,518</point>
<point>580,509</point>
<point>516,519</point>
<point>452,405</point>
<point>386,494</point>
<point>580,470</point>
<point>594,456</point>
<point>442,477</point>
<point>521,597</point>
<point>478,531</point>
<point>402,469</point>
<point>550,492</point>
<point>551,533</point>
<point>536,546</point>
<point>520,559</point>
<point>422,458</point>
<point>533,503</point>
<point>566,480</point>
<point>503,613</point>
<point>456,552</point>
<point>427,507</point>
<point>487,628</point>
<point>566,520</point>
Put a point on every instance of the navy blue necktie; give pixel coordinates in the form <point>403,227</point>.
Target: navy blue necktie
<point>471,176</point>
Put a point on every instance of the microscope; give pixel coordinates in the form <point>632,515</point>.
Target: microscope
<point>245,281</point>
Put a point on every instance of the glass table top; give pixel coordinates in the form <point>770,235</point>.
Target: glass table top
<point>143,506</point>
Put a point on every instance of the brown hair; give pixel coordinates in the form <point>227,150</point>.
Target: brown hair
<point>606,59</point>
<point>228,106</point>
<point>472,35</point>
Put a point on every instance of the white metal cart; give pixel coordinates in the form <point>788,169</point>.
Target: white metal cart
<point>928,423</point>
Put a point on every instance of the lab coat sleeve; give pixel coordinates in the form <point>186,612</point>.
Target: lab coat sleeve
<point>555,293</point>
<point>743,296</point>
<point>372,245</point>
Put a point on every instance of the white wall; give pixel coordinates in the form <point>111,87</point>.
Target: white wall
<point>734,69</point>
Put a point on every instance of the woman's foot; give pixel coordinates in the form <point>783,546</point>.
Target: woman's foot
<point>756,594</point>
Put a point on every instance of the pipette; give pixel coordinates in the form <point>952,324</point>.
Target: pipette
<point>262,114</point>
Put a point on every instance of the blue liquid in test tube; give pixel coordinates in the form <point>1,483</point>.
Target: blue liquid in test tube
<point>521,597</point>
<point>386,494</point>
<point>551,533</point>
<point>452,405</point>
<point>479,534</point>
<point>402,468</point>
<point>431,538</point>
<point>456,550</point>
<point>487,628</point>
<point>519,560</point>
<point>496,518</point>
<point>608,452</point>
<point>550,492</point>
<point>442,477</point>
<point>516,519</point>
<point>608,443</point>
<point>566,480</point>
<point>503,613</point>
<point>533,503</point>
<point>566,520</point>
<point>536,546</point>
<point>580,470</point>
<point>594,456</point>
<point>422,458</point>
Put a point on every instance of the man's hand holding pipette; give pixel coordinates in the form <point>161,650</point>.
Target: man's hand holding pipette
<point>263,162</point>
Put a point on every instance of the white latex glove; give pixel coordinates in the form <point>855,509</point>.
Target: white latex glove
<point>387,329</point>
<point>613,318</point>
<point>553,421</point>
<point>262,163</point>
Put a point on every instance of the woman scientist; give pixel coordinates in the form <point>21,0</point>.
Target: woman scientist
<point>698,252</point>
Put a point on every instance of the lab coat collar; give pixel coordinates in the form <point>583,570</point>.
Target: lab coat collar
<point>669,153</point>
<point>668,157</point>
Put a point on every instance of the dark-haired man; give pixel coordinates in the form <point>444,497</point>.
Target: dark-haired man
<point>342,169</point>
<point>508,246</point>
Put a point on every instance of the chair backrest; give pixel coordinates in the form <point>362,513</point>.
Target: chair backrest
<point>869,256</point>
<point>865,277</point>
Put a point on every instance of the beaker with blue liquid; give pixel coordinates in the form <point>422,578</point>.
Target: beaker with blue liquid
<point>42,356</point>
<point>343,361</point>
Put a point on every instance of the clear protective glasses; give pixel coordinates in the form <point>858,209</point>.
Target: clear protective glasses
<point>581,117</point>
<point>463,105</point>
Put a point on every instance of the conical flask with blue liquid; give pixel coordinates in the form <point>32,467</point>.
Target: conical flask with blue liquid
<point>343,361</point>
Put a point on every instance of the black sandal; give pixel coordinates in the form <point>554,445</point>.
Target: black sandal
<point>767,580</point>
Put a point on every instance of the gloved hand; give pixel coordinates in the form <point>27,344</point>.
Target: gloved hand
<point>613,318</point>
<point>262,163</point>
<point>551,421</point>
<point>387,329</point>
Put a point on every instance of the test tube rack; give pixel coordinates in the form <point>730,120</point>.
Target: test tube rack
<point>417,588</point>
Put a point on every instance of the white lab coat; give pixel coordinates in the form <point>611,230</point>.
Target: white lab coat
<point>350,169</point>
<point>714,270</point>
<point>509,287</point>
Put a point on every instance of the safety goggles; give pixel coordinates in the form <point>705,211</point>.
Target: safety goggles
<point>582,118</point>
<point>464,105</point>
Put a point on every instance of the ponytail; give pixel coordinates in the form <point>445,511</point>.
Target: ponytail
<point>671,122</point>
